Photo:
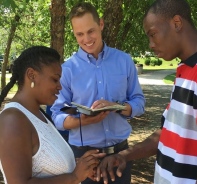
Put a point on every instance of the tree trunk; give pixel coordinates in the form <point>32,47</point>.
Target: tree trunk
<point>7,50</point>
<point>58,11</point>
<point>113,16</point>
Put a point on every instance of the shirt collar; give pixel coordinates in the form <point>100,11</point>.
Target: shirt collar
<point>191,61</point>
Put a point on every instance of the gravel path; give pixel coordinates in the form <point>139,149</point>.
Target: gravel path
<point>157,96</point>
<point>155,77</point>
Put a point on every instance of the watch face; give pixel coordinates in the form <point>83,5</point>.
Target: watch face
<point>121,103</point>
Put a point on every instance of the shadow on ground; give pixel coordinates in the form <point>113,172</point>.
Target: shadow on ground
<point>157,98</point>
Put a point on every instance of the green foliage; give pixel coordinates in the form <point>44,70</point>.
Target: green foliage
<point>135,60</point>
<point>165,64</point>
<point>159,62</point>
<point>153,62</point>
<point>147,61</point>
<point>169,79</point>
<point>9,3</point>
<point>34,28</point>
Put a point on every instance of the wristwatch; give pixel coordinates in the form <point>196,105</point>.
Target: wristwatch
<point>120,103</point>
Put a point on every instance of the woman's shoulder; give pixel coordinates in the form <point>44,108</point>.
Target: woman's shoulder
<point>12,120</point>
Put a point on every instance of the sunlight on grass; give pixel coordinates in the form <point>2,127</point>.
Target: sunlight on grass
<point>169,79</point>
<point>14,89</point>
<point>165,64</point>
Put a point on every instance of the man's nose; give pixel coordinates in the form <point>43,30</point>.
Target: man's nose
<point>59,86</point>
<point>87,38</point>
<point>151,44</point>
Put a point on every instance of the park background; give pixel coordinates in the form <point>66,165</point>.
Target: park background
<point>24,23</point>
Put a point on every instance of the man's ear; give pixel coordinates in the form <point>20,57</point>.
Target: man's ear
<point>178,23</point>
<point>101,24</point>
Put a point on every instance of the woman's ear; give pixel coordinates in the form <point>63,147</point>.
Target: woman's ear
<point>178,23</point>
<point>30,73</point>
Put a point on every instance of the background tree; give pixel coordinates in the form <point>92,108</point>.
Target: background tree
<point>14,24</point>
<point>113,16</point>
<point>123,25</point>
<point>58,11</point>
<point>33,29</point>
<point>39,26</point>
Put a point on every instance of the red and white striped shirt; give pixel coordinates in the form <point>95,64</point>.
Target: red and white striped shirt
<point>177,150</point>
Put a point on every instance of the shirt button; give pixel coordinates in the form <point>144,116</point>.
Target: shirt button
<point>99,82</point>
<point>106,130</point>
<point>101,97</point>
<point>108,143</point>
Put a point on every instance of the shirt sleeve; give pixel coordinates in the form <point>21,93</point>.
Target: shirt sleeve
<point>135,95</point>
<point>64,97</point>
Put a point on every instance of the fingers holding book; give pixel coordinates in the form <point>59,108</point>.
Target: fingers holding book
<point>102,103</point>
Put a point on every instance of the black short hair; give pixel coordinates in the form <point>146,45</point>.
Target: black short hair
<point>169,8</point>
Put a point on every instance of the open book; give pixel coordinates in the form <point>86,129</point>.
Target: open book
<point>77,108</point>
<point>88,111</point>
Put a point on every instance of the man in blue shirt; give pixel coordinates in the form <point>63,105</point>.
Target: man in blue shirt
<point>97,76</point>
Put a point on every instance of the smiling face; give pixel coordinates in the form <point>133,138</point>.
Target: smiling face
<point>162,35</point>
<point>47,83</point>
<point>88,33</point>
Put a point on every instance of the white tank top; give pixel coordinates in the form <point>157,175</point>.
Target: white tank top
<point>54,156</point>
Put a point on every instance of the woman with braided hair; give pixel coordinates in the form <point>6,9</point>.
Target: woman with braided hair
<point>31,149</point>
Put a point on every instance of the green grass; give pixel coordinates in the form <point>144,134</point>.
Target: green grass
<point>169,79</point>
<point>14,89</point>
<point>166,65</point>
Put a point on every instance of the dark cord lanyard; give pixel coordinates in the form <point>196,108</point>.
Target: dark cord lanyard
<point>80,127</point>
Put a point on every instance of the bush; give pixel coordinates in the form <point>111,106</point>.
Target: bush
<point>147,62</point>
<point>153,62</point>
<point>135,61</point>
<point>159,62</point>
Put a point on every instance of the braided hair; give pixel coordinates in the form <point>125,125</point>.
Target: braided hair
<point>34,57</point>
<point>169,8</point>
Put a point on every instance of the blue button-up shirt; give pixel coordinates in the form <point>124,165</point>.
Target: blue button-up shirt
<point>111,77</point>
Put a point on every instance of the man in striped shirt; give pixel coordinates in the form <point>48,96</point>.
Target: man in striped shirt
<point>171,32</point>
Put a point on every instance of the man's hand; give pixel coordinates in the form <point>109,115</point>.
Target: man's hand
<point>85,166</point>
<point>102,103</point>
<point>107,165</point>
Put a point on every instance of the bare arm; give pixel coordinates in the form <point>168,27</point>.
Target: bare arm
<point>19,142</point>
<point>72,122</point>
<point>143,149</point>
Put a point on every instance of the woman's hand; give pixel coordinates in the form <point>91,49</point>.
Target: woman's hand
<point>87,164</point>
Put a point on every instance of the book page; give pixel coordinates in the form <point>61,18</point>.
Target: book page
<point>112,107</point>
